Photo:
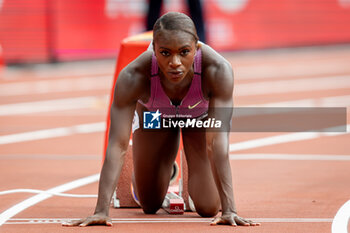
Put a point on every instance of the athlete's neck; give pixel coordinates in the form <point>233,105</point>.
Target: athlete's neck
<point>176,91</point>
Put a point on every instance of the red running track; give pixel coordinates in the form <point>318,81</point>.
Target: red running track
<point>52,128</point>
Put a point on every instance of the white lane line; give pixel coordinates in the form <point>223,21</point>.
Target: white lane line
<point>331,101</point>
<point>102,101</point>
<point>53,105</point>
<point>53,133</point>
<point>89,102</point>
<point>48,156</point>
<point>244,89</point>
<point>37,191</point>
<point>86,128</point>
<point>32,201</point>
<point>68,70</point>
<point>278,139</point>
<point>341,219</point>
<point>58,85</point>
<point>290,157</point>
<point>93,101</point>
<point>165,220</point>
<point>292,69</point>
<point>101,127</point>
<point>9,213</point>
<point>295,85</point>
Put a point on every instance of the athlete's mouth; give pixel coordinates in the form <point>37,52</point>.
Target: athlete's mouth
<point>175,74</point>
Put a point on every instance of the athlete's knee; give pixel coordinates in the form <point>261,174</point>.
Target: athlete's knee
<point>150,209</point>
<point>207,210</point>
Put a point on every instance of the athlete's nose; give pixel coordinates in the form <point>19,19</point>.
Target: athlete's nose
<point>175,61</point>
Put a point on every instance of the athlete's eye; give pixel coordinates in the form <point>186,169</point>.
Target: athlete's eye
<point>185,52</point>
<point>165,53</point>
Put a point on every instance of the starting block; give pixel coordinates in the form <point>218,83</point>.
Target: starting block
<point>177,197</point>
<point>173,204</point>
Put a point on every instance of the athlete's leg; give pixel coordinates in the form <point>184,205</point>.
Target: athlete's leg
<point>201,184</point>
<point>154,152</point>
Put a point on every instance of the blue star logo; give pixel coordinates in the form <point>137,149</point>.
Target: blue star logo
<point>151,120</point>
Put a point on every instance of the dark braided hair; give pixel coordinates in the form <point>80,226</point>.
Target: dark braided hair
<point>175,21</point>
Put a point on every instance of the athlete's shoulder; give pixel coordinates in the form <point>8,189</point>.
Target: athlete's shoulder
<point>140,66</point>
<point>211,58</point>
<point>133,80</point>
<point>216,71</point>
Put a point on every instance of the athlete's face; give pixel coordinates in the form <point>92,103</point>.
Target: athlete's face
<point>175,51</point>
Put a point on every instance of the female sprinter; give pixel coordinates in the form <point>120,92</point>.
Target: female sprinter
<point>180,75</point>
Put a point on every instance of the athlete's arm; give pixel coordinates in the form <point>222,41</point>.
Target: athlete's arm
<point>220,83</point>
<point>128,89</point>
<point>220,108</point>
<point>121,115</point>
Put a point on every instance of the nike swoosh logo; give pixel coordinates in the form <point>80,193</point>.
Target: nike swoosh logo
<point>195,105</point>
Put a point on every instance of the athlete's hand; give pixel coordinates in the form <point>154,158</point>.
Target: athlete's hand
<point>97,219</point>
<point>233,219</point>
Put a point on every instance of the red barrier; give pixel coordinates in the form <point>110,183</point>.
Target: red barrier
<point>40,30</point>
